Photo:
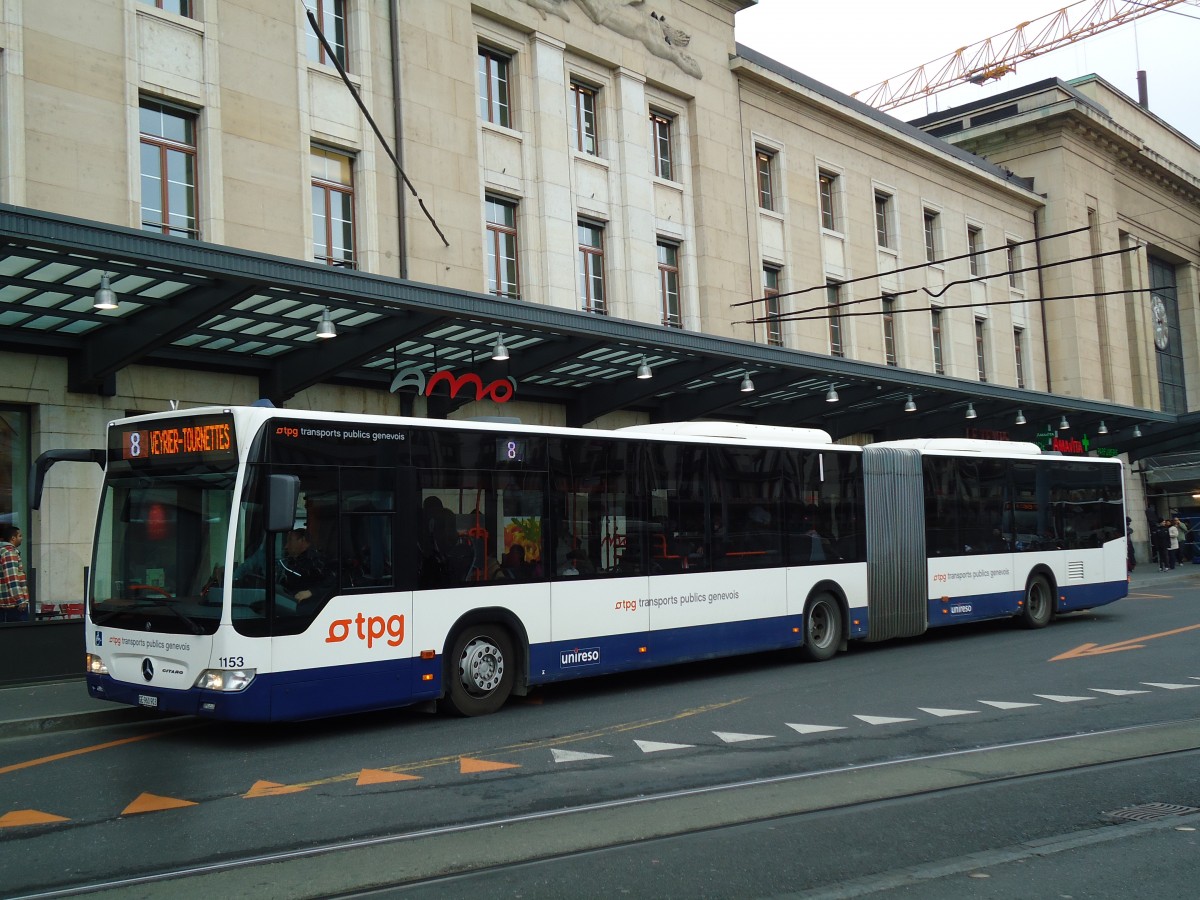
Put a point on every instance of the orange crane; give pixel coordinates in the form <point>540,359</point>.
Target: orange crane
<point>998,55</point>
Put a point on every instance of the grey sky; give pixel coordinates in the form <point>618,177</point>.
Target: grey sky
<point>854,44</point>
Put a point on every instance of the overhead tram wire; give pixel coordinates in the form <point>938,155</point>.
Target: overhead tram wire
<point>924,265</point>
<point>1091,294</point>
<point>794,315</point>
<point>312,20</point>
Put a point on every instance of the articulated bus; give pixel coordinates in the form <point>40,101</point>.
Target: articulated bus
<point>265,564</point>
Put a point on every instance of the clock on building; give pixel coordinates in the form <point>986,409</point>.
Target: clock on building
<point>1159,310</point>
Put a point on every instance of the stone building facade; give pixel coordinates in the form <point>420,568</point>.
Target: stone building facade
<point>587,155</point>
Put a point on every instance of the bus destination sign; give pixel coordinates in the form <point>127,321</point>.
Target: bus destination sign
<point>203,439</point>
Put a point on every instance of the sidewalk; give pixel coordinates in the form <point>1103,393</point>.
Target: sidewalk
<point>65,705</point>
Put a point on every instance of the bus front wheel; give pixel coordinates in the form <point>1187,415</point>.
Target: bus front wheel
<point>1039,603</point>
<point>822,628</point>
<point>483,670</point>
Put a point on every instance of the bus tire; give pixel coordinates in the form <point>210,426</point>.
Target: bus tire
<point>1039,603</point>
<point>482,670</point>
<point>822,628</point>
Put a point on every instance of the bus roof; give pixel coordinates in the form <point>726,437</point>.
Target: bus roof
<point>736,431</point>
<point>966,445</point>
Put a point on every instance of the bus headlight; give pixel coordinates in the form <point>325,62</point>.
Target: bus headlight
<point>94,665</point>
<point>228,681</point>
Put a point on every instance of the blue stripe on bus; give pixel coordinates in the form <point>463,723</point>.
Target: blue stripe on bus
<point>561,660</point>
<point>977,607</point>
<point>289,696</point>
<point>1085,596</point>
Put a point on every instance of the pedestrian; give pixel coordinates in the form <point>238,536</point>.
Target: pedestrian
<point>1184,539</point>
<point>14,591</point>
<point>1161,542</point>
<point>1173,546</point>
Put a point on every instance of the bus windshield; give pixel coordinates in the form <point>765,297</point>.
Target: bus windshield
<point>159,545</point>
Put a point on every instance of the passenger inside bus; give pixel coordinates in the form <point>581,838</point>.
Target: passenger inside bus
<point>577,563</point>
<point>514,566</point>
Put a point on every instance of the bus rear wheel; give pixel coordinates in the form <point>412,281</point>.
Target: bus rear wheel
<point>482,670</point>
<point>1039,603</point>
<point>822,628</point>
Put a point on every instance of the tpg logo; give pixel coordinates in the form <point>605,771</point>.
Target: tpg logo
<point>588,656</point>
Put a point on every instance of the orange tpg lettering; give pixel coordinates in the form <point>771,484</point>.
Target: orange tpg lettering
<point>376,627</point>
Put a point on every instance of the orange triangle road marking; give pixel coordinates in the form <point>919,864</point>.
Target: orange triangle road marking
<point>469,766</point>
<point>379,776</point>
<point>28,817</point>
<point>272,789</point>
<point>154,803</point>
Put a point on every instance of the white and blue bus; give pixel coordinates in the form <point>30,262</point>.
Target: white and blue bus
<point>264,564</point>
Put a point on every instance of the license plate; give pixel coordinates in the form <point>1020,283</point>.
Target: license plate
<point>147,700</point>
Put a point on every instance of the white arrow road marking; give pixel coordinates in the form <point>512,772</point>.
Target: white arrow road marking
<point>1007,704</point>
<point>1118,693</point>
<point>882,720</point>
<point>1062,698</point>
<point>561,756</point>
<point>815,729</point>
<point>945,713</point>
<point>1170,687</point>
<point>655,746</point>
<point>731,737</point>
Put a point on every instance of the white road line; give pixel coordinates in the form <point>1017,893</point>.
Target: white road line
<point>562,756</point>
<point>882,720</point>
<point>946,713</point>
<point>815,729</point>
<point>658,747</point>
<point>1170,687</point>
<point>1007,704</point>
<point>731,737</point>
<point>1062,698</point>
<point>1118,693</point>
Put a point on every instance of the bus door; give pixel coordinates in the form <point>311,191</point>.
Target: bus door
<point>598,558</point>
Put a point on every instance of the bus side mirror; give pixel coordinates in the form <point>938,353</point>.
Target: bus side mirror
<point>282,493</point>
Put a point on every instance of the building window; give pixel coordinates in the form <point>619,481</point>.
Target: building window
<point>889,329</point>
<point>591,268</point>
<point>771,306</point>
<point>975,248</point>
<point>833,300</point>
<point>333,207</point>
<point>660,137</point>
<point>932,250</point>
<point>1014,263</point>
<point>980,353</point>
<point>668,283</point>
<point>883,216</point>
<point>503,273</point>
<point>331,16</point>
<point>935,328</point>
<point>583,119</point>
<point>1019,354</point>
<point>764,162</point>
<point>827,183</point>
<point>493,88</point>
<point>179,7</point>
<point>168,148</point>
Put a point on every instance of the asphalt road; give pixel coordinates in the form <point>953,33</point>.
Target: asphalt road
<point>980,761</point>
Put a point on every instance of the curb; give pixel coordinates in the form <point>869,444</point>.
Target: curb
<point>75,721</point>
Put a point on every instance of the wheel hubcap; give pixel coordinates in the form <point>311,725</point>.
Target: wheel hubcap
<point>481,667</point>
<point>818,625</point>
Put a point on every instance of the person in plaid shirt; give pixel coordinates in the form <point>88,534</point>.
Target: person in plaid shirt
<point>14,593</point>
